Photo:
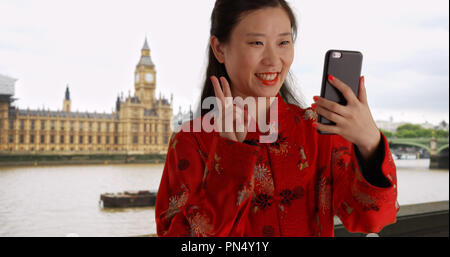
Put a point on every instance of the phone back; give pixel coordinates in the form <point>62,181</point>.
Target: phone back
<point>346,66</point>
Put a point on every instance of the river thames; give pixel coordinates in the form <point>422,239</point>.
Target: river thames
<point>64,200</point>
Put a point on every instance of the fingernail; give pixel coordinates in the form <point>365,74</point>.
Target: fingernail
<point>330,77</point>
<point>315,98</point>
<point>363,79</point>
<point>313,106</point>
<point>314,125</point>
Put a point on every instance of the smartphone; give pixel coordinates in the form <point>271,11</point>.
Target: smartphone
<point>346,66</point>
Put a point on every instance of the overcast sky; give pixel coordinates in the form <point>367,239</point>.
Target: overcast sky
<point>94,47</point>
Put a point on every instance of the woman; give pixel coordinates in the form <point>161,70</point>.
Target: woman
<point>232,184</point>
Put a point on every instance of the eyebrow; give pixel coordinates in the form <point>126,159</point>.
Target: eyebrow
<point>262,34</point>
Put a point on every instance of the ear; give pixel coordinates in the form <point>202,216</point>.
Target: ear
<point>217,48</point>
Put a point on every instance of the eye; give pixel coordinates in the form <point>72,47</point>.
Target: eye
<point>285,43</point>
<point>256,43</point>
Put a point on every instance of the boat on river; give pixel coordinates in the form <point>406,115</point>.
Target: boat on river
<point>141,198</point>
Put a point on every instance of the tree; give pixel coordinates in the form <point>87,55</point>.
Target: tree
<point>407,134</point>
<point>386,133</point>
<point>441,133</point>
<point>409,126</point>
<point>416,131</point>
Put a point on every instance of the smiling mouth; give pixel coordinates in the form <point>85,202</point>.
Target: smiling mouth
<point>268,78</point>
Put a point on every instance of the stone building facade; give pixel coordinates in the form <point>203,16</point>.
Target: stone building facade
<point>140,124</point>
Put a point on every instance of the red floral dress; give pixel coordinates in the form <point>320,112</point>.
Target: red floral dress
<point>212,186</point>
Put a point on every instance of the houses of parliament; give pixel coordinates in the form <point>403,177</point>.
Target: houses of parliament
<point>140,123</point>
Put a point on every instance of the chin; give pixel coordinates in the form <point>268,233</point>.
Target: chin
<point>267,92</point>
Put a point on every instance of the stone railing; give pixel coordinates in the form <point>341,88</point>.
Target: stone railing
<point>416,220</point>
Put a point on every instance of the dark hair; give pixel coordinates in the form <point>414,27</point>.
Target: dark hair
<point>225,16</point>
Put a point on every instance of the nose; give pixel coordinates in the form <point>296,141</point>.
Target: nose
<point>271,57</point>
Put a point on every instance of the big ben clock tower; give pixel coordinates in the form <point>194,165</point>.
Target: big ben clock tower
<point>145,78</point>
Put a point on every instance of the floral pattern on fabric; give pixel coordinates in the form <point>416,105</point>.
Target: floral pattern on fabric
<point>366,201</point>
<point>261,201</point>
<point>263,179</point>
<point>263,193</point>
<point>217,166</point>
<point>303,162</point>
<point>280,147</point>
<point>244,193</point>
<point>176,202</point>
<point>268,231</point>
<point>310,115</point>
<point>200,224</point>
<point>323,191</point>
<point>347,208</point>
<point>341,158</point>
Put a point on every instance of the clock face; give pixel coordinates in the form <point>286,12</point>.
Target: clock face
<point>137,78</point>
<point>149,77</point>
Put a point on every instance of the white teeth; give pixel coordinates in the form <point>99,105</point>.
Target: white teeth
<point>266,76</point>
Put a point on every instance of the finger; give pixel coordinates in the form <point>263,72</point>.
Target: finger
<point>226,91</point>
<point>245,109</point>
<point>336,118</point>
<point>241,135</point>
<point>362,91</point>
<point>240,120</point>
<point>229,123</point>
<point>326,128</point>
<point>220,102</point>
<point>229,135</point>
<point>217,90</point>
<point>246,114</point>
<point>226,87</point>
<point>241,124</point>
<point>331,106</point>
<point>343,88</point>
<point>229,118</point>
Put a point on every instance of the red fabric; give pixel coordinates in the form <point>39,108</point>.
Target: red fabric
<point>212,186</point>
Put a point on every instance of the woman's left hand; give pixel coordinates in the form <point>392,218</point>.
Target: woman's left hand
<point>354,121</point>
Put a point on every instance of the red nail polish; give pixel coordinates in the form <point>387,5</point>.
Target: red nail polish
<point>330,77</point>
<point>316,98</point>
<point>314,125</point>
<point>313,106</point>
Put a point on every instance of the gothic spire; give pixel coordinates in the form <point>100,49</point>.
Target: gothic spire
<point>118,104</point>
<point>67,97</point>
<point>145,47</point>
<point>146,60</point>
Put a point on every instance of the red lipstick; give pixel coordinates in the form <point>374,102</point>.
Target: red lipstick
<point>269,82</point>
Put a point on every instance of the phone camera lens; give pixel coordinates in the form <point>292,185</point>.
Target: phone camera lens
<point>336,55</point>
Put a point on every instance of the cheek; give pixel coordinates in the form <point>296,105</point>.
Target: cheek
<point>243,66</point>
<point>288,57</point>
<point>287,60</point>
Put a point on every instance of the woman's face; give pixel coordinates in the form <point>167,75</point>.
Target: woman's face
<point>259,53</point>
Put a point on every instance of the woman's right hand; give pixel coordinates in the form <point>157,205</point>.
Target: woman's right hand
<point>231,131</point>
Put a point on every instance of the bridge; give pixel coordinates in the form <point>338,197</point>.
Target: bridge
<point>438,149</point>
